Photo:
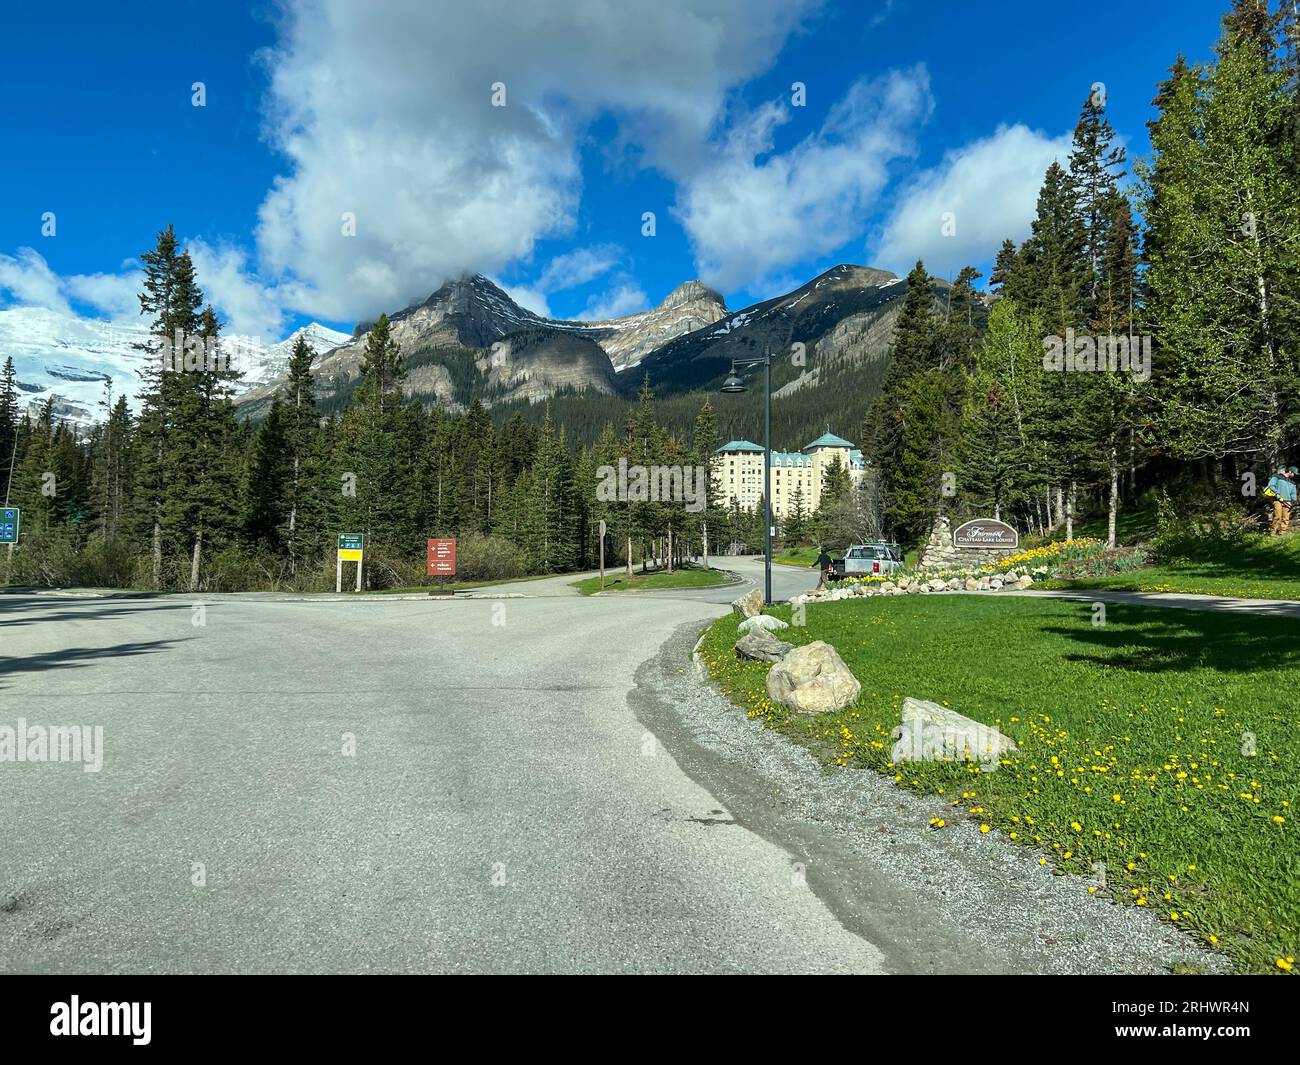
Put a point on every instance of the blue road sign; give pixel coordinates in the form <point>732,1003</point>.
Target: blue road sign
<point>9,521</point>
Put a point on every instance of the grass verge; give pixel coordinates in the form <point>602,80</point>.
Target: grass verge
<point>798,556</point>
<point>1135,741</point>
<point>654,580</point>
<point>1258,567</point>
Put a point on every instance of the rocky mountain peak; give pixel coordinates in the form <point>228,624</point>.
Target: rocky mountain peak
<point>691,291</point>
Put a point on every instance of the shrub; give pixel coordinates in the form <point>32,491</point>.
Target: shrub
<point>488,558</point>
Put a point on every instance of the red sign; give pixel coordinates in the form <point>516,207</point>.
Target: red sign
<point>442,558</point>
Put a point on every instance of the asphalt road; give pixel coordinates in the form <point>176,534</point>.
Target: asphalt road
<point>502,783</point>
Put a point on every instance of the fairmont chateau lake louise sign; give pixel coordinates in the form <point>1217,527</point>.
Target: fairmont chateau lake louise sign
<point>985,532</point>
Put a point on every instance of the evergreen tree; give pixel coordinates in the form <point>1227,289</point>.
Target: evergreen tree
<point>8,424</point>
<point>171,296</point>
<point>269,482</point>
<point>1222,207</point>
<point>552,519</point>
<point>796,528</point>
<point>301,421</point>
<point>113,477</point>
<point>1096,164</point>
<point>200,475</point>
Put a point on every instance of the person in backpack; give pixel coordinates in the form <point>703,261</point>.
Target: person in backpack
<point>1281,493</point>
<point>823,563</point>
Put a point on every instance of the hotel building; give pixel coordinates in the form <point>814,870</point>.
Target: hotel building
<point>741,472</point>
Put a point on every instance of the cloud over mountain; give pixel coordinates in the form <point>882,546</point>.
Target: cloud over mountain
<point>384,112</point>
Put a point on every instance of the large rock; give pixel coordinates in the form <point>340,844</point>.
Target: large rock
<point>812,679</point>
<point>930,732</point>
<point>747,606</point>
<point>762,621</point>
<point>759,645</point>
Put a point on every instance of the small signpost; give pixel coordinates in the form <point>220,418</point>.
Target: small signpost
<point>602,554</point>
<point>352,548</point>
<point>441,561</point>
<point>10,519</point>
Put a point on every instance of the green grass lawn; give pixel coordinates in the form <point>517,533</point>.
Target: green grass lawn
<point>1263,567</point>
<point>1134,741</point>
<point>1132,526</point>
<point>654,580</point>
<point>799,556</point>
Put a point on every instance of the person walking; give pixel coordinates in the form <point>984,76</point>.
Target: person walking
<point>823,563</point>
<point>1281,492</point>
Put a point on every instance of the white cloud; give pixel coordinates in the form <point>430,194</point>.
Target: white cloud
<point>626,297</point>
<point>116,295</point>
<point>990,187</point>
<point>28,279</point>
<point>752,213</point>
<point>247,305</point>
<point>579,266</point>
<point>383,110</point>
<point>528,297</point>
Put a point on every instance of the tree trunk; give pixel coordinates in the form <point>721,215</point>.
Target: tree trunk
<point>706,544</point>
<point>1114,496</point>
<point>1060,508</point>
<point>1273,430</point>
<point>1069,512</point>
<point>629,555</point>
<point>195,561</point>
<point>1132,467</point>
<point>670,550</point>
<point>157,555</point>
<point>293,518</point>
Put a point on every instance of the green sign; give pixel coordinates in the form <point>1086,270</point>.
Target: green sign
<point>9,520</point>
<point>352,541</point>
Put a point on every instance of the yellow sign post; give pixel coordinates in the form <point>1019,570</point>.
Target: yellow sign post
<point>352,548</point>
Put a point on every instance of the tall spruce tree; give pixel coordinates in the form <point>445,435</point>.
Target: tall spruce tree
<point>301,424</point>
<point>171,297</point>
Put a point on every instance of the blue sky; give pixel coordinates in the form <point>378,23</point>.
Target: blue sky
<point>317,109</point>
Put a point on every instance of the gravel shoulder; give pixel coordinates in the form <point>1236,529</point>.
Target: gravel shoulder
<point>951,901</point>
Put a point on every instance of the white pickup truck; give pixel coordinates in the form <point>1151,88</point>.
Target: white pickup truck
<point>868,560</point>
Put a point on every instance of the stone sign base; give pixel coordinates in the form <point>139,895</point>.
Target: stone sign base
<point>940,554</point>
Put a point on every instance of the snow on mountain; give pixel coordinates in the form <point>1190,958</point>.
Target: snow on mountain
<point>70,357</point>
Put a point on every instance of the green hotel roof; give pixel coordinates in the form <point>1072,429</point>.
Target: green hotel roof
<point>782,458</point>
<point>828,440</point>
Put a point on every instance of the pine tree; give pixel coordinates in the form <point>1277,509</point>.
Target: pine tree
<point>199,467</point>
<point>1222,206</point>
<point>796,529</point>
<point>1000,418</point>
<point>8,424</point>
<point>1096,165</point>
<point>705,444</point>
<point>268,483</point>
<point>553,517</point>
<point>172,298</point>
<point>113,476</point>
<point>382,370</point>
<point>301,421</point>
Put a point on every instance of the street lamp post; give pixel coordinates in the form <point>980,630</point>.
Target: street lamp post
<point>735,383</point>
